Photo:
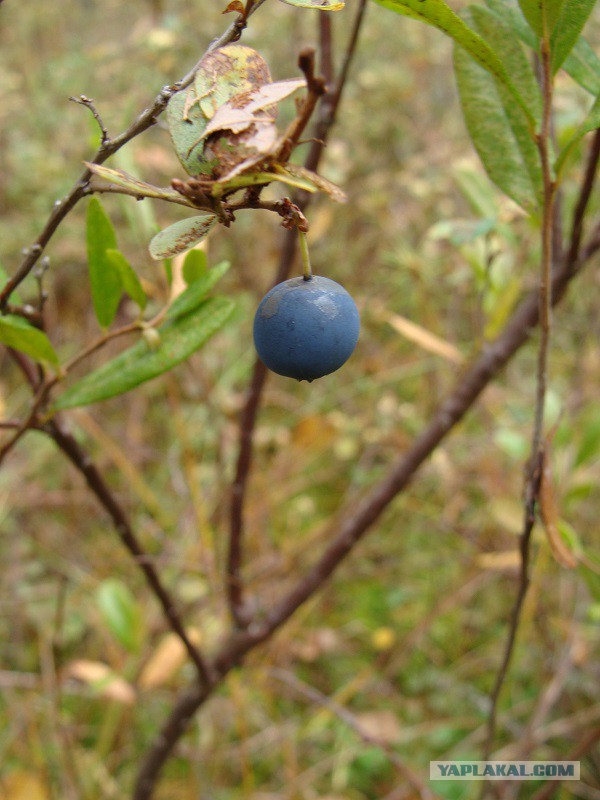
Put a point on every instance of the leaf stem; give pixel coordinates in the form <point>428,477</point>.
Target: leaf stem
<point>306,265</point>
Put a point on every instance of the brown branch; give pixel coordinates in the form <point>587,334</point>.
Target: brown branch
<point>108,148</point>
<point>65,440</point>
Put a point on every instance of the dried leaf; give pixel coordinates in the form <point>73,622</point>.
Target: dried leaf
<point>101,678</point>
<point>383,726</point>
<point>424,338</point>
<point>240,112</point>
<point>236,6</point>
<point>167,660</point>
<point>503,560</point>
<point>550,516</point>
<point>133,185</point>
<point>320,5</point>
<point>318,181</point>
<point>21,785</point>
<point>226,72</point>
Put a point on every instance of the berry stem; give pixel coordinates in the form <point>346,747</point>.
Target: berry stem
<point>306,265</point>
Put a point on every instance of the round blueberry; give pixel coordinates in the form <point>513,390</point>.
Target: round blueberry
<point>305,329</point>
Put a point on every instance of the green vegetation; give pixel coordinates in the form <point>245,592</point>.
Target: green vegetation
<point>392,662</point>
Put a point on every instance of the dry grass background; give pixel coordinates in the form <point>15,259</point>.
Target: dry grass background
<point>408,635</point>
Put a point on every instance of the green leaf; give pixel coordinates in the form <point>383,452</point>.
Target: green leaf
<point>186,124</point>
<point>135,186</point>
<point>121,613</point>
<point>573,17</point>
<point>589,445</point>
<point>105,278</point>
<point>320,5</point>
<point>438,14</point>
<point>181,236</point>
<point>226,72</point>
<point>498,128</point>
<point>583,65</point>
<point>180,338</point>
<point>191,298</point>
<point>541,14</point>
<point>514,59</point>
<point>129,279</point>
<point>195,266</point>
<point>17,333</point>
<point>590,123</point>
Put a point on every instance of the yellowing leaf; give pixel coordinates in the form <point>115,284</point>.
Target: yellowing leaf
<point>167,660</point>
<point>319,5</point>
<point>240,112</point>
<point>550,517</point>
<point>21,785</point>
<point>503,560</point>
<point>101,678</point>
<point>424,338</point>
<point>383,726</point>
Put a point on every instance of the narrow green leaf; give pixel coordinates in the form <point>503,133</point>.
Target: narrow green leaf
<point>179,338</point>
<point>478,192</point>
<point>583,65</point>
<point>191,298</point>
<point>541,14</point>
<point>438,14</point>
<point>129,279</point>
<point>181,236</point>
<point>310,178</point>
<point>121,613</point>
<point>498,128</point>
<point>320,5</point>
<point>509,49</point>
<point>195,266</point>
<point>590,123</point>
<point>17,333</point>
<point>137,187</point>
<point>573,17</point>
<point>509,11</point>
<point>105,278</point>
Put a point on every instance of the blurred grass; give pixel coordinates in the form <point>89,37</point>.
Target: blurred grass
<point>411,629</point>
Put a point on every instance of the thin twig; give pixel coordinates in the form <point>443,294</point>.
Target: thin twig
<point>65,440</point>
<point>346,716</point>
<point>545,301</point>
<point>82,100</point>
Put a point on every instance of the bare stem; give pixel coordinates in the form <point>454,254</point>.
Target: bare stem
<point>535,464</point>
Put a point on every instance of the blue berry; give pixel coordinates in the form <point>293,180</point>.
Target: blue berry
<point>305,329</point>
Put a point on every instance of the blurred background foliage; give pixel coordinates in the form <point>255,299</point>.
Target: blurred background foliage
<point>409,633</point>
